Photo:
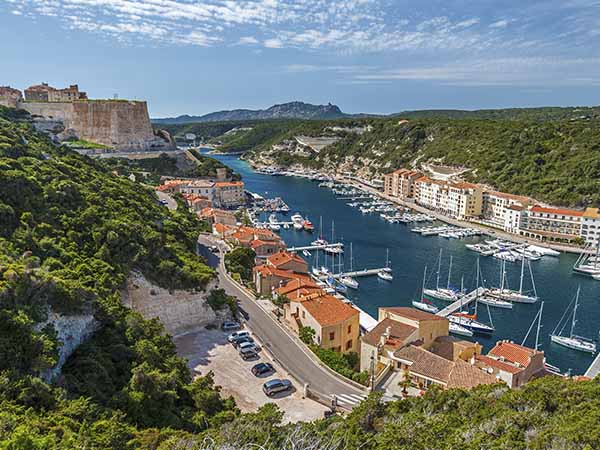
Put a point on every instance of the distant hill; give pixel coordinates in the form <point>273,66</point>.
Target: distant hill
<point>541,114</point>
<point>291,110</point>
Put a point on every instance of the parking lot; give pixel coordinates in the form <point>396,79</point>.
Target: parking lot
<point>208,350</point>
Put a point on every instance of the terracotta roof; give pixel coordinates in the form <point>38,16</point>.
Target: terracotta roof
<point>444,346</point>
<point>413,313</point>
<point>229,183</point>
<point>562,212</point>
<point>425,363</point>
<point>399,332</point>
<point>466,376</point>
<point>592,213</point>
<point>500,365</point>
<point>271,271</point>
<point>327,309</point>
<point>295,293</point>
<point>284,257</point>
<point>515,207</point>
<point>464,185</point>
<point>520,198</point>
<point>513,352</point>
<point>221,228</point>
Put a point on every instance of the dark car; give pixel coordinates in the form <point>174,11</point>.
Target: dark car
<point>262,368</point>
<point>243,313</point>
<point>248,353</point>
<point>272,387</point>
<point>236,342</point>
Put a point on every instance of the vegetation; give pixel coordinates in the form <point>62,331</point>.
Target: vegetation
<point>307,335</point>
<point>74,143</point>
<point>346,364</point>
<point>219,300</point>
<point>241,261</point>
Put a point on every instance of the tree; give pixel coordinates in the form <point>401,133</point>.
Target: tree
<point>307,335</point>
<point>241,260</point>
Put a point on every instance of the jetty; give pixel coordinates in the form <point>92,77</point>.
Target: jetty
<point>463,301</point>
<point>315,247</point>
<point>358,273</point>
<point>594,368</point>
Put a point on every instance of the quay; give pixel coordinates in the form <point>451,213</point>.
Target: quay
<point>358,273</point>
<point>315,247</point>
<point>463,301</point>
<point>594,368</point>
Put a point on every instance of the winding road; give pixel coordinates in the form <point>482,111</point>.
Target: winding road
<point>279,343</point>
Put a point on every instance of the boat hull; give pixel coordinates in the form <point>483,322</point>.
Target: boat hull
<point>574,343</point>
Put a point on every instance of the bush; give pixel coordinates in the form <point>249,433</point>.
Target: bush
<point>241,260</point>
<point>218,300</point>
<point>307,335</point>
<point>344,364</point>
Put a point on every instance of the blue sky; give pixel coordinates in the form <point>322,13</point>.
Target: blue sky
<point>379,56</point>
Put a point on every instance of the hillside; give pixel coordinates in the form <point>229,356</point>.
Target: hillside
<point>555,161</point>
<point>291,110</point>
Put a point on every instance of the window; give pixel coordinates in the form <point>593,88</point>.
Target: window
<point>331,336</point>
<point>349,344</point>
<point>304,314</point>
<point>349,329</point>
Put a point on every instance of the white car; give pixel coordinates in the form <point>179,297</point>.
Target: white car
<point>229,326</point>
<point>237,335</point>
<point>245,345</point>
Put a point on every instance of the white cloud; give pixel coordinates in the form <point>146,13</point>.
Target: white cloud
<point>248,40</point>
<point>273,43</point>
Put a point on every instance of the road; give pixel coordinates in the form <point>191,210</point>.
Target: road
<point>283,348</point>
<point>171,203</point>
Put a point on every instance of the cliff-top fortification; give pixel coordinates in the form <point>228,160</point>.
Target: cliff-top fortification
<point>122,125</point>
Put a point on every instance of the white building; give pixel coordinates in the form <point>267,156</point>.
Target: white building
<point>590,226</point>
<point>458,200</point>
<point>496,204</point>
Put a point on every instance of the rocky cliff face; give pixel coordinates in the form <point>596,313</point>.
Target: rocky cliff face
<point>178,311</point>
<point>122,125</point>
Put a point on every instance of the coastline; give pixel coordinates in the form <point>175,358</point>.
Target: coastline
<point>494,232</point>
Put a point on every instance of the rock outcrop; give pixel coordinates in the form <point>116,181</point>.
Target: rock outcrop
<point>179,311</point>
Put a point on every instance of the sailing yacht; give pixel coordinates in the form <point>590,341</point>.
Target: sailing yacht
<point>587,265</point>
<point>424,304</point>
<point>572,341</point>
<point>333,250</point>
<point>321,240</point>
<point>514,296</point>
<point>386,272</point>
<point>446,293</point>
<point>495,302</point>
<point>348,281</point>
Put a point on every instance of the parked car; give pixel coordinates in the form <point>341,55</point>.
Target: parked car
<point>276,385</point>
<point>214,249</point>
<point>243,313</point>
<point>248,353</point>
<point>262,368</point>
<point>229,325</point>
<point>241,340</point>
<point>238,334</point>
<point>248,344</point>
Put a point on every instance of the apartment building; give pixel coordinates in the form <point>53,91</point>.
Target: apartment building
<point>229,194</point>
<point>459,200</point>
<point>590,226</point>
<point>496,205</point>
<point>401,183</point>
<point>552,224</point>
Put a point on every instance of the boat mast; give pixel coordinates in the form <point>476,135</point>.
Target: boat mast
<point>575,311</point>
<point>423,284</point>
<point>351,257</point>
<point>522,272</point>
<point>537,334</point>
<point>503,275</point>
<point>437,281</point>
<point>477,288</point>
<point>449,273</point>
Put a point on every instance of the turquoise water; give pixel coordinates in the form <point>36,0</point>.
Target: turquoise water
<point>410,252</point>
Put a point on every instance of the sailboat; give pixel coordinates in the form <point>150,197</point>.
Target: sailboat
<point>572,341</point>
<point>386,272</point>
<point>424,304</point>
<point>348,281</point>
<point>469,321</point>
<point>316,270</point>
<point>586,265</point>
<point>446,293</point>
<point>514,296</point>
<point>333,250</point>
<point>455,328</point>
<point>321,240</point>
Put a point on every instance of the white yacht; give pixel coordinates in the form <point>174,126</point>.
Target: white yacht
<point>386,272</point>
<point>425,305</point>
<point>455,328</point>
<point>572,340</point>
<point>470,323</point>
<point>514,296</point>
<point>297,221</point>
<point>495,302</point>
<point>348,281</point>
<point>439,293</point>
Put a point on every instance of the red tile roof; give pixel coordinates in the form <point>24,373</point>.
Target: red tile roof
<point>513,352</point>
<point>327,309</point>
<point>562,212</point>
<point>500,365</point>
<point>399,332</point>
<point>284,257</point>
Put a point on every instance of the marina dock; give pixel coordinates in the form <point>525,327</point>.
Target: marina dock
<point>359,273</point>
<point>594,368</point>
<point>315,247</point>
<point>463,301</point>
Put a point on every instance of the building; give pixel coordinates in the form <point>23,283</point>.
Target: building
<point>336,323</point>
<point>285,260</point>
<point>197,203</point>
<point>263,241</point>
<point>552,224</point>
<point>458,200</point>
<point>514,218</point>
<point>590,226</point>
<point>214,216</point>
<point>496,206</point>
<point>46,93</point>
<point>401,183</point>
<point>229,194</point>
<point>282,268</point>
<point>512,363</point>
<point>10,97</point>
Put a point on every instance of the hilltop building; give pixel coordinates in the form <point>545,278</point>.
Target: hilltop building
<point>10,97</point>
<point>221,194</point>
<point>46,93</point>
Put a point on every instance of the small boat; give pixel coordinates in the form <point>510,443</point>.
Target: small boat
<point>349,282</point>
<point>274,227</point>
<point>385,275</point>
<point>306,253</point>
<point>572,341</point>
<point>316,272</point>
<point>495,302</point>
<point>427,307</point>
<point>470,323</point>
<point>297,221</point>
<point>505,256</point>
<point>308,226</point>
<point>455,328</point>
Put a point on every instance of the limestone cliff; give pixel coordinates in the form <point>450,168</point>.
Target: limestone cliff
<point>179,311</point>
<point>121,125</point>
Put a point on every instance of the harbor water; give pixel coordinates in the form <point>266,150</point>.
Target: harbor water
<point>410,252</point>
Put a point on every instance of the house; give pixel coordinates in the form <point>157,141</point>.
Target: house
<point>214,216</point>
<point>263,241</point>
<point>267,279</point>
<point>429,326</point>
<point>336,323</point>
<point>401,183</point>
<point>497,206</point>
<point>590,226</point>
<point>552,224</point>
<point>229,194</point>
<point>512,363</point>
<point>287,261</point>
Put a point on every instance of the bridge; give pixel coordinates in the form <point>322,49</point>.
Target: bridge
<point>315,247</point>
<point>463,301</point>
<point>594,368</point>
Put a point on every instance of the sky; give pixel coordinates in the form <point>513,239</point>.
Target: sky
<point>375,56</point>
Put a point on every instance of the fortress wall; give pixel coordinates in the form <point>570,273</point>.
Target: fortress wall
<point>124,125</point>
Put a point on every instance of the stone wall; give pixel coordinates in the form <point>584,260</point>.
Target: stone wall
<point>122,125</point>
<point>178,311</point>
